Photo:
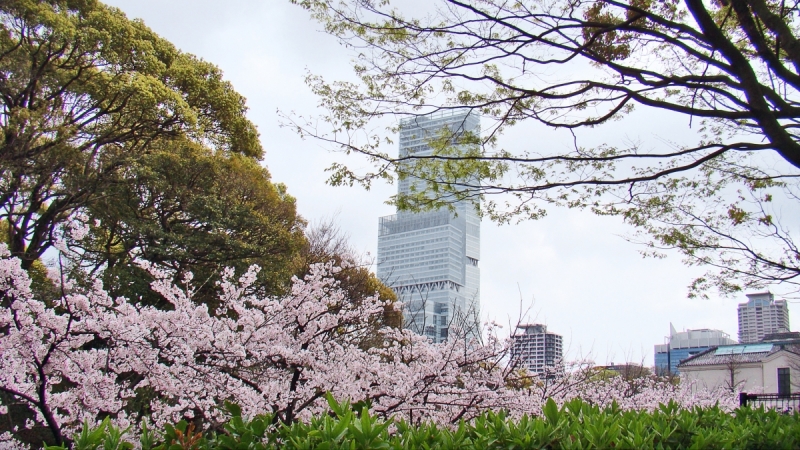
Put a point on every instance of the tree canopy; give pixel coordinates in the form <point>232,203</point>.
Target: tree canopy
<point>186,209</point>
<point>85,93</point>
<point>730,67</point>
<point>144,150</point>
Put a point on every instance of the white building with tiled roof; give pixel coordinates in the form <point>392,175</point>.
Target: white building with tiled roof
<point>768,367</point>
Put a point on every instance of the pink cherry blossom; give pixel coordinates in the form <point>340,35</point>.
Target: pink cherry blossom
<point>87,355</point>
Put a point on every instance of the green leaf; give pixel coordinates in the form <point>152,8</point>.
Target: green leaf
<point>551,412</point>
<point>234,409</point>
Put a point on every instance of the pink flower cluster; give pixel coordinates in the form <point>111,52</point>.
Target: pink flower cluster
<point>89,355</point>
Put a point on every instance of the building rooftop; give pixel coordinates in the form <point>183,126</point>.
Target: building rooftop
<point>532,328</point>
<point>696,338</point>
<point>741,353</point>
<point>786,337</point>
<point>440,114</point>
<point>760,299</point>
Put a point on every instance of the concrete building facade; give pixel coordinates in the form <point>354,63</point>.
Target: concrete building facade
<point>431,259</point>
<point>536,349</point>
<point>762,315</point>
<point>681,345</point>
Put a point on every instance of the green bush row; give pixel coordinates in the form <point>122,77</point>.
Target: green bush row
<point>576,425</point>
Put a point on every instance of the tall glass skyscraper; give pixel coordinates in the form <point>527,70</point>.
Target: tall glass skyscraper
<point>431,259</point>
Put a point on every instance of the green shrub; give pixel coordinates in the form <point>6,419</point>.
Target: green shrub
<point>574,425</point>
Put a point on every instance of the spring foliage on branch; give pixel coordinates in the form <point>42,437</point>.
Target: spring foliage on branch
<point>88,356</point>
<point>727,69</point>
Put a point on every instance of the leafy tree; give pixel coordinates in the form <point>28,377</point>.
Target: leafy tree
<point>729,66</point>
<point>188,210</point>
<point>84,94</point>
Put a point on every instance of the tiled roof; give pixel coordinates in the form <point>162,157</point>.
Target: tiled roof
<point>711,357</point>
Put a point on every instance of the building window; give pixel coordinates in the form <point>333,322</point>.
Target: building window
<point>784,381</point>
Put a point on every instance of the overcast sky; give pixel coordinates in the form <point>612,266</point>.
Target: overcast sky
<point>573,270</point>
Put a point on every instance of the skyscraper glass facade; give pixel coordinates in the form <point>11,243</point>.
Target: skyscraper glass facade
<point>431,259</point>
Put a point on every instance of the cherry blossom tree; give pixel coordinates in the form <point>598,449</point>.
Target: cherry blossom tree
<point>86,356</point>
<point>89,355</point>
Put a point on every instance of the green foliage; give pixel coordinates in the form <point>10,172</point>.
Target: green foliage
<point>574,425</point>
<point>185,208</point>
<point>182,436</point>
<point>42,286</point>
<point>105,436</point>
<point>106,123</point>
<point>86,93</point>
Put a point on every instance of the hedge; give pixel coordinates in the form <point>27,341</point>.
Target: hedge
<point>574,425</point>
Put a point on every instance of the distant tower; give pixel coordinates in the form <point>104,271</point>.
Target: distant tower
<point>762,315</point>
<point>681,345</point>
<point>537,350</point>
<point>431,259</point>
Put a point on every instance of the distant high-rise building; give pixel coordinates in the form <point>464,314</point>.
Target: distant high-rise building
<point>762,315</point>
<point>537,350</point>
<point>681,345</point>
<point>430,259</point>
